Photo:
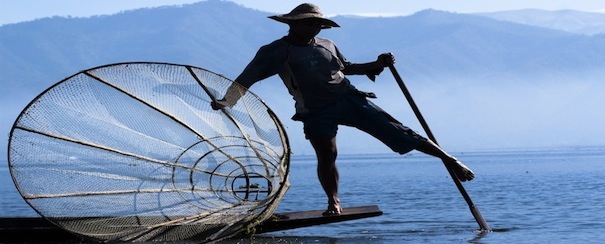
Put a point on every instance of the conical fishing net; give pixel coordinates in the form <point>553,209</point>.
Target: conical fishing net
<point>134,152</point>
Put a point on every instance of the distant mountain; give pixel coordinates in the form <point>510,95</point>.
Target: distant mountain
<point>567,20</point>
<point>456,61</point>
<point>449,44</point>
<point>208,33</point>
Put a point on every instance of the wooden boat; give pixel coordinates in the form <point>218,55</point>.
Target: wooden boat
<point>36,229</point>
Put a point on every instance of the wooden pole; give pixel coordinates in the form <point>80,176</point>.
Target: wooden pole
<point>474,210</point>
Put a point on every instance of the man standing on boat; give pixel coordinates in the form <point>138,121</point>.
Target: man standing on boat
<point>313,70</point>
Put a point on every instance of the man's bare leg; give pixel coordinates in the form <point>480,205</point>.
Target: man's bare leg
<point>325,149</point>
<point>462,172</point>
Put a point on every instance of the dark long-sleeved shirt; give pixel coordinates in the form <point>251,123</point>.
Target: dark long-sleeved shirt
<point>313,74</point>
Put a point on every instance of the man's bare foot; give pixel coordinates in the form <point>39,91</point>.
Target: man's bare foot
<point>332,210</point>
<point>462,172</point>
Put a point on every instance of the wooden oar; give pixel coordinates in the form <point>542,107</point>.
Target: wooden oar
<point>474,210</point>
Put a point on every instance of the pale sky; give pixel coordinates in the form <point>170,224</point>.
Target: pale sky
<point>13,11</point>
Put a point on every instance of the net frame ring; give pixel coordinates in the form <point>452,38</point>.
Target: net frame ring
<point>32,136</point>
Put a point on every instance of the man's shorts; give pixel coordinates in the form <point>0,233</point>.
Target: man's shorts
<point>356,111</point>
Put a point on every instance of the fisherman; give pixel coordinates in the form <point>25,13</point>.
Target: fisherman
<point>313,70</point>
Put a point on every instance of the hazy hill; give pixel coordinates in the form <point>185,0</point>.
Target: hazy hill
<point>448,44</point>
<point>483,83</point>
<point>567,20</point>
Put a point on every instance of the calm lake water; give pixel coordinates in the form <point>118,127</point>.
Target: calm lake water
<point>530,196</point>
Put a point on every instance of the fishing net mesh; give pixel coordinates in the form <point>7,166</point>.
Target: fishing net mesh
<point>134,152</point>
